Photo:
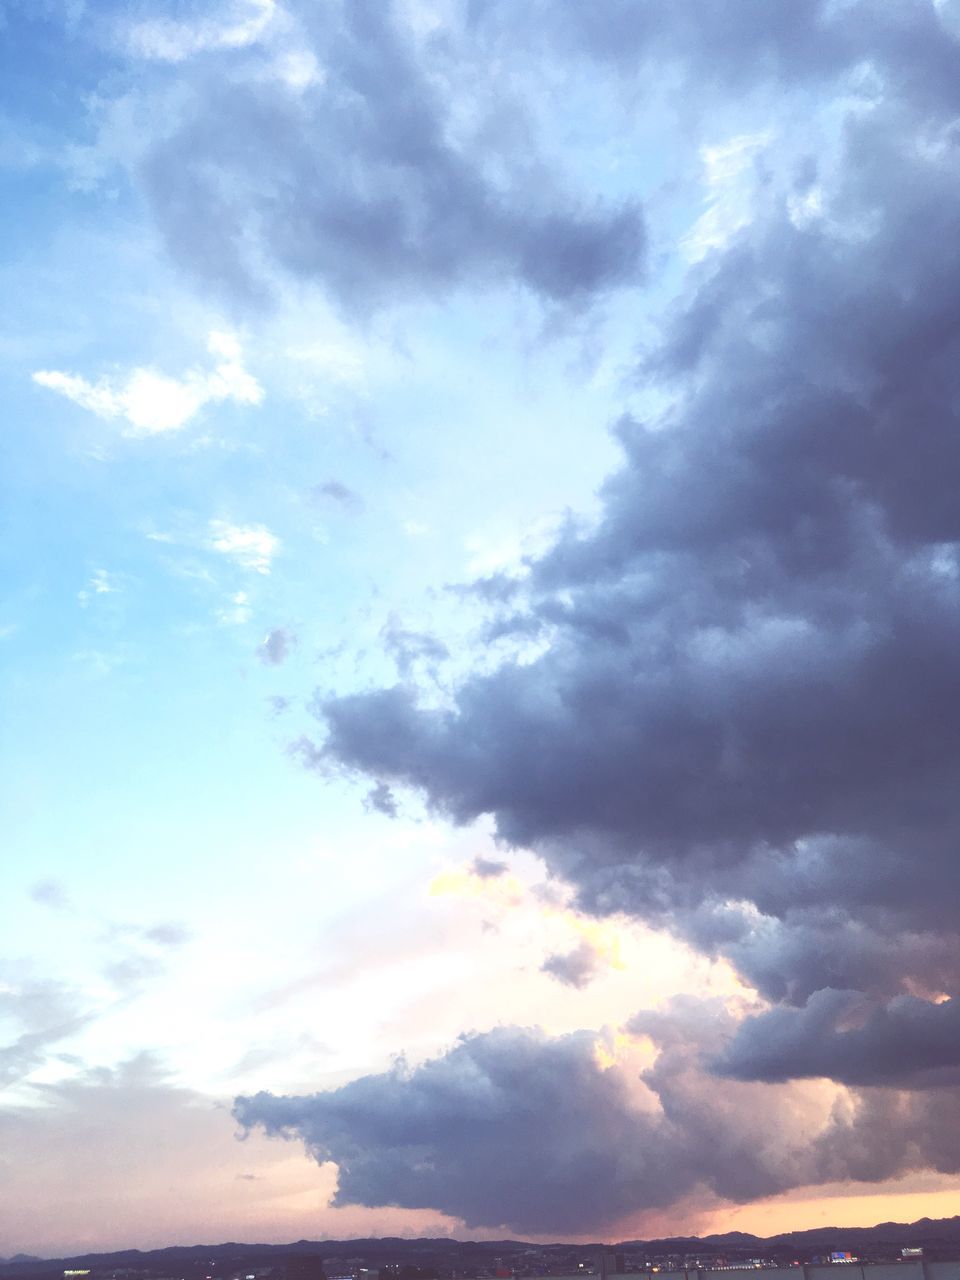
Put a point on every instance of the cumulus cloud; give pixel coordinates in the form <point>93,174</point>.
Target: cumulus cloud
<point>252,546</point>
<point>508,1128</point>
<point>152,403</point>
<point>741,727</point>
<point>393,173</point>
<point>514,1128</point>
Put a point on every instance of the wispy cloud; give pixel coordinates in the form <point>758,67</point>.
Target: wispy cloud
<point>164,40</point>
<point>101,584</point>
<point>237,611</point>
<point>152,403</point>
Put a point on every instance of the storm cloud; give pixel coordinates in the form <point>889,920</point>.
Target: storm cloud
<point>511,1127</point>
<point>515,1128</point>
<point>743,727</point>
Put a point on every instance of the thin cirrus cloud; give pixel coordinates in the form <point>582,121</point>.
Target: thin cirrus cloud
<point>149,403</point>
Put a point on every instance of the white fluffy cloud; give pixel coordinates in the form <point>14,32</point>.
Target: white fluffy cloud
<point>152,403</point>
<point>252,546</point>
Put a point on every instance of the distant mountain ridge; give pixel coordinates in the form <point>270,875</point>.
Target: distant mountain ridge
<point>378,1250</point>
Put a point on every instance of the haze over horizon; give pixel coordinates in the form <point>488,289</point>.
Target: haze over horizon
<point>480,639</point>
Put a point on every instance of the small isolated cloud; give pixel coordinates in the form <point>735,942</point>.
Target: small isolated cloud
<point>380,799</point>
<point>237,612</point>
<point>101,584</point>
<point>152,403</point>
<point>49,893</point>
<point>334,491</point>
<point>168,933</point>
<point>574,968</point>
<point>164,40</point>
<point>277,646</point>
<point>252,546</point>
<point>488,868</point>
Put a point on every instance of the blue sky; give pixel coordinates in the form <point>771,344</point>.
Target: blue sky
<point>320,322</point>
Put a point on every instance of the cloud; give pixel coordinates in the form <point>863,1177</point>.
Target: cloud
<point>169,933</point>
<point>514,1128</point>
<point>101,584</point>
<point>335,491</point>
<point>488,868</point>
<point>573,968</point>
<point>238,612</point>
<point>908,1042</point>
<point>740,727</point>
<point>44,1013</point>
<point>165,40</point>
<point>128,1144</point>
<point>152,403</point>
<point>380,799</point>
<point>391,175</point>
<point>50,893</point>
<point>508,1128</point>
<point>252,546</point>
<point>276,646</point>
<point>407,648</point>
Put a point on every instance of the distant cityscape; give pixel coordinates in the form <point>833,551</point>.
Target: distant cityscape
<point>924,1250</point>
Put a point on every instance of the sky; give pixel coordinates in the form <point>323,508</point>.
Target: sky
<point>480,618</point>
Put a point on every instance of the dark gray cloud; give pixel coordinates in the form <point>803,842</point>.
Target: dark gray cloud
<point>514,1128</point>
<point>364,181</point>
<point>907,1042</point>
<point>508,1128</point>
<point>574,968</point>
<point>743,729</point>
<point>276,647</point>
